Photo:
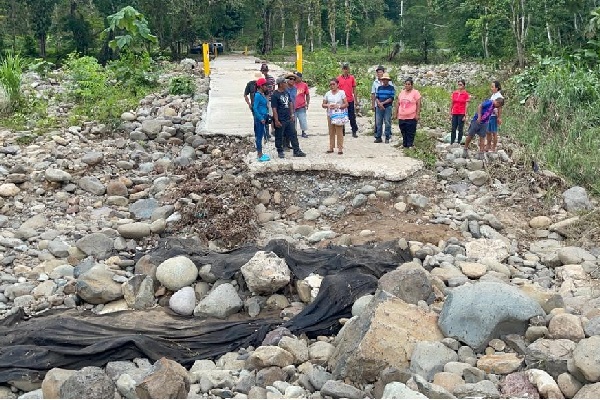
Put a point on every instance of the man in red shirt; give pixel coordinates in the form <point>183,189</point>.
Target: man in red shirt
<point>348,84</point>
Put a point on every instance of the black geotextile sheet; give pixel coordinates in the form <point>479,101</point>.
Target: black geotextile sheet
<point>73,339</point>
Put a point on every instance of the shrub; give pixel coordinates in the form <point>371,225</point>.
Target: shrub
<point>11,70</point>
<point>88,80</point>
<point>181,85</point>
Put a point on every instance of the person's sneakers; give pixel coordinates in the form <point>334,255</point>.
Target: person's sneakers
<point>387,140</point>
<point>281,154</point>
<point>480,156</point>
<point>465,153</point>
<point>304,135</point>
<point>378,140</point>
<point>299,154</point>
<point>354,135</point>
<point>264,158</point>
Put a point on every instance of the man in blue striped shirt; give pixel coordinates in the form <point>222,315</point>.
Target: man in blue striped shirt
<point>384,97</point>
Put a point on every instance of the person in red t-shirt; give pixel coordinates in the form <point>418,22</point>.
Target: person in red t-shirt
<point>301,103</point>
<point>458,111</point>
<point>347,83</point>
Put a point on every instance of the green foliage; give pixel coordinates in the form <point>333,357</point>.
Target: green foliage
<point>181,85</point>
<point>435,105</point>
<point>424,149</point>
<point>558,120</point>
<point>136,29</point>
<point>134,72</point>
<point>88,79</point>
<point>41,67</point>
<point>11,70</point>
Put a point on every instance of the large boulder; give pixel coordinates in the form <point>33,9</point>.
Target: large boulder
<point>139,292</point>
<point>97,245</point>
<point>183,301</point>
<point>586,358</point>
<point>177,272</point>
<point>475,314</point>
<point>384,335</point>
<point>53,381</point>
<point>553,355</point>
<point>269,356</point>
<point>576,199</point>
<point>168,380</point>
<point>266,273</point>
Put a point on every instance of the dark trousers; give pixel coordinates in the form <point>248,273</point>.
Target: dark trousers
<point>351,117</point>
<point>457,124</point>
<point>408,128</point>
<point>286,130</point>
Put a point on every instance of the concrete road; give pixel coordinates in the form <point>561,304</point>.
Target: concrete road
<point>228,114</point>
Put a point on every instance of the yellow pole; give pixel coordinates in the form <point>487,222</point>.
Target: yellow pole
<point>299,58</point>
<point>246,50</point>
<point>206,59</point>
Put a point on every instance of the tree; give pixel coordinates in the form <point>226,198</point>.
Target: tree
<point>418,28</point>
<point>40,16</point>
<point>331,14</point>
<point>520,22</point>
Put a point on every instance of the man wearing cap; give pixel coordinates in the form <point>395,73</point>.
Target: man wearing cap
<point>264,69</point>
<point>284,119</point>
<point>348,84</point>
<point>301,103</point>
<point>376,83</point>
<point>291,89</point>
<point>260,112</point>
<point>384,97</point>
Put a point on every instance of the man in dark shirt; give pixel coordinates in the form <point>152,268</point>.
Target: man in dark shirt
<point>250,90</point>
<point>284,119</point>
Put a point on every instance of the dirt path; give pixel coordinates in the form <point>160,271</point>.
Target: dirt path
<point>228,114</point>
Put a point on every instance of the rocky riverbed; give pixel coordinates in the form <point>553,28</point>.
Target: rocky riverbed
<point>500,298</point>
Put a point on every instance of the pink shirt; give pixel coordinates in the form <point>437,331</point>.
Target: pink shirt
<point>407,104</point>
<point>459,102</point>
<point>302,91</point>
<point>347,84</point>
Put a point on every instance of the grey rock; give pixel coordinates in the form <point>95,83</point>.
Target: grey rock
<point>58,248</point>
<point>478,178</point>
<point>221,302</point>
<point>359,200</point>
<point>97,245</point>
<point>57,175</point>
<point>551,355</point>
<point>574,255</point>
<point>586,358</point>
<point>97,286</point>
<point>410,282</point>
<point>341,390</point>
<point>35,394</point>
<point>266,273</point>
<point>502,309</point>
<point>88,383</point>
<point>183,301</point>
<point>431,390</point>
<point>92,158</point>
<point>360,304</point>
<point>317,376</point>
<point>143,209</point>
<point>484,390</point>
<point>589,391</point>
<point>92,185</point>
<point>139,292</point>
<point>416,200</point>
<point>576,199</point>
<point>592,327</point>
<point>428,358</point>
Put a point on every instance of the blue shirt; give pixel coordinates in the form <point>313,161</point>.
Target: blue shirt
<point>487,108</point>
<point>259,107</point>
<point>384,93</point>
<point>293,93</point>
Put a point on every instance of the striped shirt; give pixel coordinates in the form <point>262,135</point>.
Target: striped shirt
<point>384,93</point>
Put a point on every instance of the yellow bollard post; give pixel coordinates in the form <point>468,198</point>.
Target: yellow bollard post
<point>299,58</point>
<point>246,50</point>
<point>206,59</point>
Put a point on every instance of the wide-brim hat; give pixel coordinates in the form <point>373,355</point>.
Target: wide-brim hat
<point>258,75</point>
<point>290,76</point>
<point>385,76</point>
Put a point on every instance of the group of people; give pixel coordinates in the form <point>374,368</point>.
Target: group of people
<point>283,103</point>
<point>485,121</point>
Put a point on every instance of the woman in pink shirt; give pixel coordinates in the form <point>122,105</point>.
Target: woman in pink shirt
<point>458,111</point>
<point>409,111</point>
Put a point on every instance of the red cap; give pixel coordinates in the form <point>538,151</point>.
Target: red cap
<point>261,81</point>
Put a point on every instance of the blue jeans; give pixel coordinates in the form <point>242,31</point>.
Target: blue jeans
<point>383,117</point>
<point>259,132</point>
<point>301,118</point>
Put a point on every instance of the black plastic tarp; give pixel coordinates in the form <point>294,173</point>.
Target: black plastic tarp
<point>72,339</point>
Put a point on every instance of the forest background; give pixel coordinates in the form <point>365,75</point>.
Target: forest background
<point>546,53</point>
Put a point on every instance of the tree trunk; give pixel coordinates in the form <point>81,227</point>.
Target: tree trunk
<point>520,26</point>
<point>486,41</point>
<point>331,19</point>
<point>348,21</point>
<point>42,42</point>
<point>311,29</point>
<point>282,15</point>
<point>267,44</point>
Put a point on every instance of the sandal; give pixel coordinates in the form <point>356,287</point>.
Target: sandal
<point>340,152</point>
<point>329,151</point>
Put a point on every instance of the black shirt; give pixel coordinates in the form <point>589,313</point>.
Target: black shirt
<point>280,101</point>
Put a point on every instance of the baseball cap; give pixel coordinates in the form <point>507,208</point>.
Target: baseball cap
<point>299,74</point>
<point>264,67</point>
<point>261,82</point>
<point>380,68</point>
<point>280,79</point>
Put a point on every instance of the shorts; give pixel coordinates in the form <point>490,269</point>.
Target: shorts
<point>477,128</point>
<point>493,124</point>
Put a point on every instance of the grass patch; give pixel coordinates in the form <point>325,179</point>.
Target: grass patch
<point>424,149</point>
